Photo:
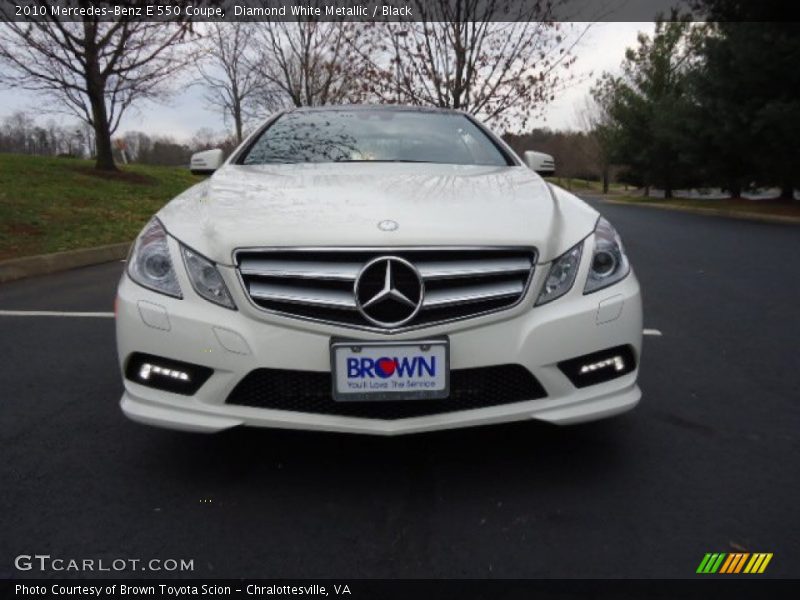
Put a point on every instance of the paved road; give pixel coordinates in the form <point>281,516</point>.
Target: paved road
<point>709,462</point>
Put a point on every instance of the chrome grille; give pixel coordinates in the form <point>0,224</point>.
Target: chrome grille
<point>318,284</point>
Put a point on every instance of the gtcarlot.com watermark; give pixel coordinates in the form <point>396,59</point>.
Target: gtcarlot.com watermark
<point>56,564</point>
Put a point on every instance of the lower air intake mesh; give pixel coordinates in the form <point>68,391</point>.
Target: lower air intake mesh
<point>310,392</point>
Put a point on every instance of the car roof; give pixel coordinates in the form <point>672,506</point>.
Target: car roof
<point>375,107</point>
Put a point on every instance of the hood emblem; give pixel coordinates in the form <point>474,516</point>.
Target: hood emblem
<point>389,291</point>
<point>388,225</point>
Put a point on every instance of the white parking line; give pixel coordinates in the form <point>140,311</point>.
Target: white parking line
<point>55,313</point>
<point>655,332</point>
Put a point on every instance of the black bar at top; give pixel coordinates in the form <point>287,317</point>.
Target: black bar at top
<point>366,10</point>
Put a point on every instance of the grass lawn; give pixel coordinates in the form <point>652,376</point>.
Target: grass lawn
<point>733,205</point>
<point>54,204</point>
<point>741,206</point>
<point>584,185</point>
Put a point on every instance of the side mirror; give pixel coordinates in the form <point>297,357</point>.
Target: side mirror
<point>542,163</point>
<point>205,163</point>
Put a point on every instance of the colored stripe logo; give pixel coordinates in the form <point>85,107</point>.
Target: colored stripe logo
<point>734,563</point>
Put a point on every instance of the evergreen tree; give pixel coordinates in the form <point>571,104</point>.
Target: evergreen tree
<point>649,102</point>
<point>747,106</point>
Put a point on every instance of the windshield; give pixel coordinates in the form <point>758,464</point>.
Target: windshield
<point>374,135</point>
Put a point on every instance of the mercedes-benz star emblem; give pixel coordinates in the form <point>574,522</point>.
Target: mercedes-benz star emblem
<point>389,291</point>
<point>388,225</point>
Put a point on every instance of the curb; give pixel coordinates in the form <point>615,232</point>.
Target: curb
<point>43,264</point>
<point>711,212</point>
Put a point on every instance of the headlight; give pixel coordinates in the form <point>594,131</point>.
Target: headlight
<point>205,278</point>
<point>609,263</point>
<point>562,275</point>
<point>150,264</point>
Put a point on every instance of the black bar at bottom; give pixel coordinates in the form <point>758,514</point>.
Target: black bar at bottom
<point>703,587</point>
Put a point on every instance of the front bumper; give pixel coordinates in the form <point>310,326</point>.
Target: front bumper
<point>234,343</point>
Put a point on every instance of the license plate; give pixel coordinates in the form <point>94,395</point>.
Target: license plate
<point>414,370</point>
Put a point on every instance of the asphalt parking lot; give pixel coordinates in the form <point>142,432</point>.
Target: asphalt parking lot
<point>707,463</point>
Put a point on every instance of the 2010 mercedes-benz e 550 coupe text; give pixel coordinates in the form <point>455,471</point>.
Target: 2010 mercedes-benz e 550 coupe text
<point>376,270</point>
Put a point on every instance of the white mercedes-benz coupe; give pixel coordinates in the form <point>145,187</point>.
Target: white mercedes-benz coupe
<point>376,269</point>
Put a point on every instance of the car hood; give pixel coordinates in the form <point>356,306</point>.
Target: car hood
<point>341,204</point>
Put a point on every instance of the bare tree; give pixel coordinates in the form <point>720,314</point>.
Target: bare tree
<point>206,139</point>
<point>203,139</point>
<point>311,62</point>
<point>230,75</point>
<point>460,55</point>
<point>56,138</point>
<point>22,133</point>
<point>595,120</point>
<point>16,132</point>
<point>138,145</point>
<point>93,69</point>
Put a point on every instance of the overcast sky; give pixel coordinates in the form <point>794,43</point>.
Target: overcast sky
<point>601,49</point>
